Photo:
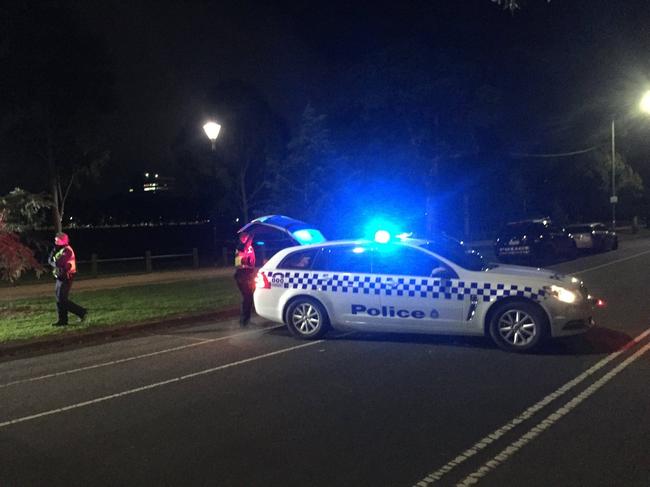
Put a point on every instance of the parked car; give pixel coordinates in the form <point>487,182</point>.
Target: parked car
<point>593,236</point>
<point>534,242</point>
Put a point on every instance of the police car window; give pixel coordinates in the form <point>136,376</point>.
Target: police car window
<point>347,258</point>
<point>408,261</point>
<point>302,259</point>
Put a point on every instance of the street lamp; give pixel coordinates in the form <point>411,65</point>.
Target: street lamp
<point>644,106</point>
<point>645,103</point>
<point>212,130</point>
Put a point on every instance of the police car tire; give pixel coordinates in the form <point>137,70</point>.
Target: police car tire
<point>530,314</point>
<point>306,318</point>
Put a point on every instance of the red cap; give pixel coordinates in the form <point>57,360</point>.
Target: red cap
<point>61,239</point>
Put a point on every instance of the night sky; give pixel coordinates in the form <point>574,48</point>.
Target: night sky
<point>569,60</point>
<point>401,84</point>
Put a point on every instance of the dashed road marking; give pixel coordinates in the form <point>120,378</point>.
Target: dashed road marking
<point>527,414</point>
<point>155,385</point>
<point>136,357</point>
<point>549,421</point>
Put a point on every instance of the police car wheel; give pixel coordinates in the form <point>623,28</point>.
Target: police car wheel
<point>518,327</point>
<point>306,318</point>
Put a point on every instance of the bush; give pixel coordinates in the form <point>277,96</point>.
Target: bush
<point>15,257</point>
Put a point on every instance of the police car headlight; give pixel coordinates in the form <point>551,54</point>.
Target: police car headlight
<point>564,294</point>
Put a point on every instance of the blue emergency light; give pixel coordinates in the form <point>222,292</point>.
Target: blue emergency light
<point>308,236</point>
<point>382,236</point>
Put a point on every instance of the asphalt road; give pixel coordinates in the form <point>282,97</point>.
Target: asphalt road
<point>213,405</point>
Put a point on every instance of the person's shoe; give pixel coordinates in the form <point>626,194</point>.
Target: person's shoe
<point>58,323</point>
<point>82,317</point>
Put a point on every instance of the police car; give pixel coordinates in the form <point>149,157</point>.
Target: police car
<point>418,286</point>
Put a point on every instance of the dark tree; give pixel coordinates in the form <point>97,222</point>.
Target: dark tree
<point>251,135</point>
<point>57,92</point>
<point>301,184</point>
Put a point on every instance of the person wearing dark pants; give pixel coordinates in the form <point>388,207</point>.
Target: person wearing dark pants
<point>245,276</point>
<point>64,264</point>
<point>63,303</point>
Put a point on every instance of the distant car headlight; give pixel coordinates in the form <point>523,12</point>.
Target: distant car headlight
<point>564,294</point>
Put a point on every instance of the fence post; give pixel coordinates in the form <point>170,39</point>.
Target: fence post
<point>195,257</point>
<point>93,265</point>
<point>147,260</point>
<point>224,256</point>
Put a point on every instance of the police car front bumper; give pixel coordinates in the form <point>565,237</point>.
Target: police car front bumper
<point>571,319</point>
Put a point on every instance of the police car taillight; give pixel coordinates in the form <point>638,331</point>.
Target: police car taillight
<point>261,281</point>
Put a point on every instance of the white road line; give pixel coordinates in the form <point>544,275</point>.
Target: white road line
<point>611,263</point>
<point>549,421</point>
<point>527,414</point>
<point>136,357</point>
<point>155,385</point>
<point>194,339</point>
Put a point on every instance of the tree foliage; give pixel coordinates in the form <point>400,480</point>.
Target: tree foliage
<point>511,5</point>
<point>302,182</point>
<point>15,257</point>
<point>23,209</point>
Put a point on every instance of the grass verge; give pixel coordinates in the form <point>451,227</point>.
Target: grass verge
<point>31,318</point>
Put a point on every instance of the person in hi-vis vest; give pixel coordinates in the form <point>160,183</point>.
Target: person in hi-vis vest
<point>245,275</point>
<point>64,268</point>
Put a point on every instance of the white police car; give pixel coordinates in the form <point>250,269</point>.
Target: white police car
<point>418,286</point>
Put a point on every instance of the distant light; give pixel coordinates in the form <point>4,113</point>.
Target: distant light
<point>236,220</point>
<point>645,102</point>
<point>382,236</point>
<point>146,175</point>
<point>212,130</point>
<point>130,190</point>
<point>405,235</point>
<point>358,250</point>
<point>155,175</point>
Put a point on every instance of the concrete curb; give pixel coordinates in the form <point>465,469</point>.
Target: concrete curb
<point>50,343</point>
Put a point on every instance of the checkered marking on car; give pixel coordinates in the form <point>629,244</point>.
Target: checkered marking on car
<point>406,286</point>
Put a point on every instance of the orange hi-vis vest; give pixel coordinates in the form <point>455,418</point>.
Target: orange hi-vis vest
<point>245,255</point>
<point>66,263</point>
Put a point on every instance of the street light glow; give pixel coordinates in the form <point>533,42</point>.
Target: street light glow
<point>645,102</point>
<point>212,130</point>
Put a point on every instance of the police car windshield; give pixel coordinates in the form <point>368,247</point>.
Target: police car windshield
<point>458,253</point>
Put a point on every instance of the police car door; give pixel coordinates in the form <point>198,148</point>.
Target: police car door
<point>345,284</point>
<point>416,290</point>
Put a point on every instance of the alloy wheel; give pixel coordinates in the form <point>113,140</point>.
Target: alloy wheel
<point>517,327</point>
<point>306,318</point>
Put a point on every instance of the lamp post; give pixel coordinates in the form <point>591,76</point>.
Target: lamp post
<point>644,106</point>
<point>212,130</point>
<point>613,199</point>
